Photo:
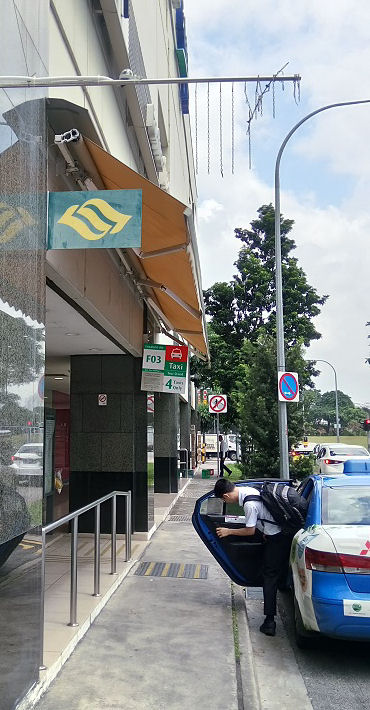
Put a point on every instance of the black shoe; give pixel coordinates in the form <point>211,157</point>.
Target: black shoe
<point>268,628</point>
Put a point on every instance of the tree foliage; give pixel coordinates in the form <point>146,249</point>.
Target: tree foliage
<point>320,413</point>
<point>242,337</point>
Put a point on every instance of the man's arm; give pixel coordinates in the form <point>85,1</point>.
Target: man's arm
<point>243,532</point>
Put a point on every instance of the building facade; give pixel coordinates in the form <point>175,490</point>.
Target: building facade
<point>74,321</point>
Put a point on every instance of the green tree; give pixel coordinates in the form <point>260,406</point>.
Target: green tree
<point>257,403</point>
<point>22,352</point>
<point>205,418</point>
<point>242,333</point>
<point>321,413</point>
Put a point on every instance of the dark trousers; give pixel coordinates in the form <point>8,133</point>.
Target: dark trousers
<point>276,551</point>
<point>223,467</point>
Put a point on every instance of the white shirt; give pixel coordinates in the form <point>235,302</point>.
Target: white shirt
<point>223,447</point>
<point>256,512</point>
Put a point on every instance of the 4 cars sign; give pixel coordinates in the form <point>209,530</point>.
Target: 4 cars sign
<point>288,388</point>
<point>164,368</point>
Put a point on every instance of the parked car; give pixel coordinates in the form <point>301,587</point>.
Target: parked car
<point>303,449</point>
<point>330,556</point>
<point>27,464</point>
<point>331,456</point>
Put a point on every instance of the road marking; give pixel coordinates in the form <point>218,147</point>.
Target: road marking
<point>197,571</point>
<point>181,571</point>
<point>165,569</point>
<point>149,570</point>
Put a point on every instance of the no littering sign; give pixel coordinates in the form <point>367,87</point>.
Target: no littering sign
<point>288,387</point>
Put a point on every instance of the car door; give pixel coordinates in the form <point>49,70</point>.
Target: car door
<point>240,557</point>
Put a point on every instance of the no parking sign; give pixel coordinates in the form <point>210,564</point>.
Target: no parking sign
<point>288,387</point>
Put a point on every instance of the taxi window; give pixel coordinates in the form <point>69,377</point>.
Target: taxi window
<point>347,505</point>
<point>211,506</point>
<point>234,509</point>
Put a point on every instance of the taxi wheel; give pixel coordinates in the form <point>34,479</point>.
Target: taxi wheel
<point>304,639</point>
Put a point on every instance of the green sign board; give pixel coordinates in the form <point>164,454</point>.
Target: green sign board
<point>164,368</point>
<point>100,219</point>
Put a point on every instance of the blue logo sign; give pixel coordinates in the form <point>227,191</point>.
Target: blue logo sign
<point>103,219</point>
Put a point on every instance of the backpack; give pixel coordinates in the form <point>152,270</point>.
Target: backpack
<point>286,506</point>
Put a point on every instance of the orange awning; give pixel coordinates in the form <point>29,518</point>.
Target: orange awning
<point>172,274</point>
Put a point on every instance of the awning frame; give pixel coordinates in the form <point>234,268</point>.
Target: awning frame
<point>189,246</point>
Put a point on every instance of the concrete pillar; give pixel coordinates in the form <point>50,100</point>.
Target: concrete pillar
<point>166,427</point>
<point>109,443</point>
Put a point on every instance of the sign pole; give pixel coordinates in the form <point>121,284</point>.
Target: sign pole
<point>218,443</point>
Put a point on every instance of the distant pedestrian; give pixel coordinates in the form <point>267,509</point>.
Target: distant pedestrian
<point>223,452</point>
<point>276,545</point>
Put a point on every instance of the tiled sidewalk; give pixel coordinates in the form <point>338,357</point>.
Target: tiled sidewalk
<point>59,638</point>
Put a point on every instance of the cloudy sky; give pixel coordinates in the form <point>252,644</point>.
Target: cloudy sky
<point>325,175</point>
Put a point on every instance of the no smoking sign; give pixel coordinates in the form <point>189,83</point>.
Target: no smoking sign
<point>217,404</point>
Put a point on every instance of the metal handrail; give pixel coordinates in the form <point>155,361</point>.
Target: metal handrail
<point>73,518</point>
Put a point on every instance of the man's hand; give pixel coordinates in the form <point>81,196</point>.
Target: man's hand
<point>223,532</point>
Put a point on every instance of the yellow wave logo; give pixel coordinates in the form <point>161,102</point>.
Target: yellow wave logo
<point>13,221</point>
<point>102,228</point>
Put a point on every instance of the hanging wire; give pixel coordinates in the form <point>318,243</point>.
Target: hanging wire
<point>208,133</point>
<point>273,99</point>
<point>221,155</point>
<point>249,121</point>
<point>258,97</point>
<point>296,91</point>
<point>196,128</point>
<point>232,130</point>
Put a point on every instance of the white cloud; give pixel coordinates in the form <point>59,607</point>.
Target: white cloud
<point>325,168</point>
<point>208,209</point>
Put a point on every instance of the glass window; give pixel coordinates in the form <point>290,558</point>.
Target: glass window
<point>349,451</point>
<point>25,449</point>
<point>349,505</point>
<point>212,506</point>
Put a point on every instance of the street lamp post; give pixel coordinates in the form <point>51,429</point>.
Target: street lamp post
<point>336,394</point>
<point>283,420</point>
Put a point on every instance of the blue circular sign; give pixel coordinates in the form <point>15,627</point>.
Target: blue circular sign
<point>288,386</point>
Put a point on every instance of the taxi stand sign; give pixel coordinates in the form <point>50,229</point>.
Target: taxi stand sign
<point>164,368</point>
<point>288,387</point>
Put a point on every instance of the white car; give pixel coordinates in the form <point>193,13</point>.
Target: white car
<point>303,449</point>
<point>27,463</point>
<point>331,456</point>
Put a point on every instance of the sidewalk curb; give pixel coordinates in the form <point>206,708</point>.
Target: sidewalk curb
<point>250,691</point>
<point>279,681</point>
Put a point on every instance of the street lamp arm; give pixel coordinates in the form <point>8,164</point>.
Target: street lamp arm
<point>283,420</point>
<point>336,393</point>
<point>306,118</point>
